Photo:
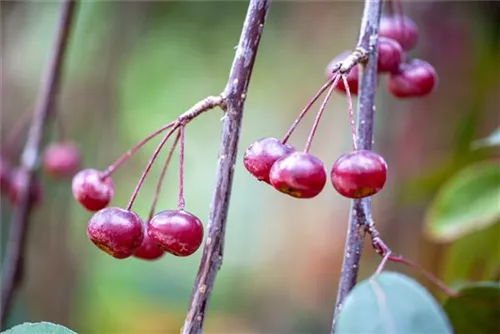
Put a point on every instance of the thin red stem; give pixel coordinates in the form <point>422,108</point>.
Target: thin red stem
<point>400,10</point>
<point>162,177</point>
<point>382,249</point>
<point>112,168</point>
<point>320,113</point>
<point>390,7</point>
<point>61,134</point>
<point>307,108</point>
<point>351,112</point>
<point>182,201</point>
<point>400,16</point>
<point>148,167</point>
<point>428,275</point>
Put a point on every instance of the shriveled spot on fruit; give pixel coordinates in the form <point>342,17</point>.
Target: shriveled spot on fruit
<point>364,192</point>
<point>291,191</point>
<point>104,247</point>
<point>173,252</point>
<point>164,248</point>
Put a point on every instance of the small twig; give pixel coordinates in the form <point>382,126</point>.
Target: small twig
<point>200,107</point>
<point>359,55</point>
<point>13,261</point>
<point>235,95</point>
<point>361,208</point>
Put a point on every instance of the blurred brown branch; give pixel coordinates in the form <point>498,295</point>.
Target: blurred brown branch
<point>234,99</point>
<point>13,261</point>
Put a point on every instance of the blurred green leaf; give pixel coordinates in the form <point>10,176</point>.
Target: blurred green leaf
<point>492,140</point>
<point>476,310</point>
<point>39,328</point>
<point>391,303</point>
<point>468,202</point>
<point>474,257</point>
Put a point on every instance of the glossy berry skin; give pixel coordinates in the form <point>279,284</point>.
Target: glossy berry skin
<point>5,175</point>
<point>359,174</point>
<point>61,160</point>
<point>390,54</point>
<point>15,186</point>
<point>262,154</point>
<point>116,231</point>
<point>300,175</point>
<point>148,250</point>
<point>93,192</point>
<point>401,29</point>
<point>414,79</point>
<point>177,232</point>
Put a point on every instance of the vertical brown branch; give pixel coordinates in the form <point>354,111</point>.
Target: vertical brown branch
<point>13,261</point>
<point>361,209</point>
<point>234,98</point>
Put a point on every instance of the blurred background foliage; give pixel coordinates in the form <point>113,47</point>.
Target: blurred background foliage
<point>134,66</point>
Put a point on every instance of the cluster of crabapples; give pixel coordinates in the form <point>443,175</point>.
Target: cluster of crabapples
<point>360,173</point>
<point>61,160</point>
<point>407,78</point>
<point>121,232</point>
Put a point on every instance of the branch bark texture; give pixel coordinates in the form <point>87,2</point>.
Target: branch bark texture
<point>361,208</point>
<point>234,96</point>
<point>13,261</point>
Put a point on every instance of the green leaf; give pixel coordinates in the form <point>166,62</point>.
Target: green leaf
<point>468,202</point>
<point>492,140</point>
<point>39,328</point>
<point>476,310</point>
<point>462,264</point>
<point>391,303</point>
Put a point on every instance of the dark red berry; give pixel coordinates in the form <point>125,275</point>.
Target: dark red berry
<point>5,175</point>
<point>148,250</point>
<point>390,54</point>
<point>61,159</point>
<point>299,174</point>
<point>414,79</point>
<point>261,155</point>
<point>177,232</point>
<point>401,29</point>
<point>359,174</point>
<point>16,183</point>
<point>92,190</point>
<point>116,231</point>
